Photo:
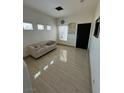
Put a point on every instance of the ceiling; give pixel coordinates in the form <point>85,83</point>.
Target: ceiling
<point>70,7</point>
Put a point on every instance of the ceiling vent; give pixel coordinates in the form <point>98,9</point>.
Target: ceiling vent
<point>59,8</point>
<point>81,1</point>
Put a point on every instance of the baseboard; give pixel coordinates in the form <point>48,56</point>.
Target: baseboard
<point>91,80</point>
<point>65,45</point>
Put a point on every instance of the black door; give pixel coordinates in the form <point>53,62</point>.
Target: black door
<point>83,32</point>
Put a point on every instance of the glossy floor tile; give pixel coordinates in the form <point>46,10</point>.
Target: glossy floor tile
<point>64,70</point>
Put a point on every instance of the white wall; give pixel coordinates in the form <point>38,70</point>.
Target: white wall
<point>94,52</point>
<point>34,16</point>
<point>78,18</point>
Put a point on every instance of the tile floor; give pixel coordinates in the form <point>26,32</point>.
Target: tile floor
<point>64,70</point>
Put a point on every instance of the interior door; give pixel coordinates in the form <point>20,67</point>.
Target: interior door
<point>83,31</point>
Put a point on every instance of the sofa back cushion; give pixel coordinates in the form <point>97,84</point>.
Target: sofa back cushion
<point>34,47</point>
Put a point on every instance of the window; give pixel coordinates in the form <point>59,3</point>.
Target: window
<point>63,32</point>
<point>27,26</point>
<point>49,27</point>
<point>40,27</point>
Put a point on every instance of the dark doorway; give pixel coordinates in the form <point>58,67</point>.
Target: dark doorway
<point>83,31</point>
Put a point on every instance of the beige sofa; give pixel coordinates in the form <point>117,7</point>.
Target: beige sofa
<point>38,49</point>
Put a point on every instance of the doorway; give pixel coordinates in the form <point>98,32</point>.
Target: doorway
<point>83,31</point>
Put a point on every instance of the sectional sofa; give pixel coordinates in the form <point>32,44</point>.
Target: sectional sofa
<point>38,49</point>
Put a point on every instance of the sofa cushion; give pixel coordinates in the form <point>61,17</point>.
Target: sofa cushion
<point>50,42</point>
<point>41,46</point>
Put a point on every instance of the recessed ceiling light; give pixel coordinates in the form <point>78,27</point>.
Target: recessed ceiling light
<point>59,8</point>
